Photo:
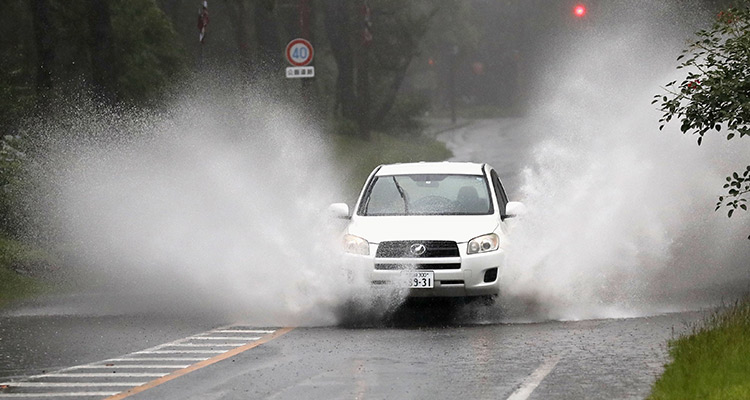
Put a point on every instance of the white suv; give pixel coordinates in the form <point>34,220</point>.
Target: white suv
<point>436,229</point>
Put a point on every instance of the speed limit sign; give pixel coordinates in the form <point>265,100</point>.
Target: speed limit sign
<point>299,52</point>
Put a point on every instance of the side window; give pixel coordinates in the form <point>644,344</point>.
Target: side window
<point>502,198</point>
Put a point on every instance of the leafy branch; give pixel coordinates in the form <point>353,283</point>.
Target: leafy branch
<point>715,93</point>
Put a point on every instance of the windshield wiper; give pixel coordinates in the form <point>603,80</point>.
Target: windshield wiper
<point>402,194</point>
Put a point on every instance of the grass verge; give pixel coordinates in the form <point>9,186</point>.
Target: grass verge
<point>32,262</point>
<point>711,363</point>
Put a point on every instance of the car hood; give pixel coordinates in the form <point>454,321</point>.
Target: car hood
<point>458,228</point>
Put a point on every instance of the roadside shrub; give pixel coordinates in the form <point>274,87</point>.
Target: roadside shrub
<point>713,361</point>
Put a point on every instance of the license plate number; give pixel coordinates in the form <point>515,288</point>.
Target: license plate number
<point>421,280</point>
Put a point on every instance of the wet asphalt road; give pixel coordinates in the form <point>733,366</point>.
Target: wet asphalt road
<point>614,359</point>
<point>421,352</point>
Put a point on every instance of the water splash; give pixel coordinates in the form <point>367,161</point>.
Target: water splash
<point>212,206</point>
<point>621,218</point>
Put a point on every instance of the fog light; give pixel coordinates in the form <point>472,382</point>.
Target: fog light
<point>490,275</point>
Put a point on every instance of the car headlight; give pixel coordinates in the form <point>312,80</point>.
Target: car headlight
<point>483,244</point>
<point>356,245</point>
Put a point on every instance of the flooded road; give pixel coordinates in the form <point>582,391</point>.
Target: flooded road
<point>421,353</point>
<point>91,346</point>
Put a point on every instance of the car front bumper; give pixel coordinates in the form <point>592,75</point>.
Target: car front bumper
<point>466,281</point>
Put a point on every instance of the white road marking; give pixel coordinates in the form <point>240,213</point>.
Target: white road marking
<point>133,366</point>
<point>248,339</point>
<point>180,352</point>
<point>103,375</point>
<point>59,394</point>
<point>535,379</point>
<point>204,345</point>
<point>242,331</point>
<point>138,362</point>
<point>157,359</point>
<point>74,384</point>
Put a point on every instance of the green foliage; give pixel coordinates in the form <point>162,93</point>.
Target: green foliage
<point>455,24</point>
<point>147,53</point>
<point>14,286</point>
<point>17,259</point>
<point>715,93</point>
<point>16,76</point>
<point>10,157</point>
<point>10,162</point>
<point>712,362</point>
<point>737,186</point>
<point>147,59</point>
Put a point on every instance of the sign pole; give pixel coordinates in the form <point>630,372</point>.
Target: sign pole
<point>304,28</point>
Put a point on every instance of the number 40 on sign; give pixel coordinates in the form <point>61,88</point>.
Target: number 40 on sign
<point>299,53</point>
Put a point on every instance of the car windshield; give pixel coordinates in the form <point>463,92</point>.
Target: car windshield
<point>434,194</point>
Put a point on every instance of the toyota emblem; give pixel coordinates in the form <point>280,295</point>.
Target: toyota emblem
<point>417,249</point>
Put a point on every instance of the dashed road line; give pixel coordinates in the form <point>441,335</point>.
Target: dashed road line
<point>244,331</point>
<point>247,339</point>
<point>75,384</point>
<point>205,345</point>
<point>179,352</point>
<point>102,375</point>
<point>157,359</point>
<point>211,347</point>
<point>202,364</point>
<point>536,377</point>
<point>60,394</point>
<point>147,366</point>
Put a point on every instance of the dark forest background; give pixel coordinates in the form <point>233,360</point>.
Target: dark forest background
<point>425,56</point>
<point>381,65</point>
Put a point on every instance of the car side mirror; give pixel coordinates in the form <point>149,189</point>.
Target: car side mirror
<point>514,209</point>
<point>339,210</point>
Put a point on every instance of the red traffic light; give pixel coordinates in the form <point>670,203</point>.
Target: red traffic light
<point>579,11</point>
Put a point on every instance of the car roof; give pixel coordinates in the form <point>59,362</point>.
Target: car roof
<point>445,167</point>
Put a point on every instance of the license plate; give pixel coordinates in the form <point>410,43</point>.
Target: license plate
<point>421,280</point>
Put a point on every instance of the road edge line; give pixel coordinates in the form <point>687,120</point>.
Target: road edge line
<point>199,365</point>
<point>536,377</point>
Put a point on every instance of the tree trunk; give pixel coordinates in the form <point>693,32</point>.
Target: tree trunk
<point>239,16</point>
<point>363,92</point>
<point>266,30</point>
<point>103,75</point>
<point>44,48</point>
<point>390,97</point>
<point>338,31</point>
<point>305,32</point>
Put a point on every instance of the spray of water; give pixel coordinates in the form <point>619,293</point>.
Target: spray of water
<point>215,205</point>
<point>621,218</point>
<point>212,207</point>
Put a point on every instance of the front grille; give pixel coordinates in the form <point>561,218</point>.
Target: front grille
<point>402,249</point>
<point>392,267</point>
